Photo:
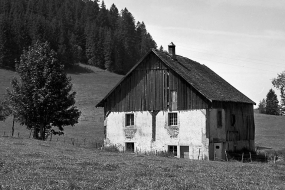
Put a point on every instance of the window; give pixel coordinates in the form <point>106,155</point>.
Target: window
<point>129,119</point>
<point>172,119</point>
<point>233,119</point>
<point>174,100</point>
<point>130,147</point>
<point>105,132</point>
<point>219,119</point>
<point>172,149</point>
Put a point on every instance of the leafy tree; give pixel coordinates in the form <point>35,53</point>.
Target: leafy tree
<point>42,97</point>
<point>262,106</point>
<point>4,110</point>
<point>272,107</point>
<point>279,83</point>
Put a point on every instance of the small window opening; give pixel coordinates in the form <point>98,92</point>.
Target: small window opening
<point>130,147</point>
<point>172,119</point>
<point>172,149</point>
<point>129,119</point>
<point>105,132</point>
<point>219,119</point>
<point>233,119</point>
<point>217,147</point>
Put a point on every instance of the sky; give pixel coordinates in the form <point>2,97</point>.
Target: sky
<point>243,41</point>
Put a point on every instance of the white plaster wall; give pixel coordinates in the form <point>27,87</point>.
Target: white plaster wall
<point>192,132</point>
<point>115,123</point>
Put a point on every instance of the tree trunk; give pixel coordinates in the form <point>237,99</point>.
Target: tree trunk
<point>36,133</point>
<point>42,132</point>
<point>13,126</point>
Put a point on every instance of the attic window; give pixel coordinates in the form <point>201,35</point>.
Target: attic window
<point>172,119</point>
<point>129,119</point>
<point>219,119</point>
<point>233,119</point>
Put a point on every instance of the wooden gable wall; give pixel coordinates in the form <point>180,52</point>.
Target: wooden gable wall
<point>244,126</point>
<point>149,87</point>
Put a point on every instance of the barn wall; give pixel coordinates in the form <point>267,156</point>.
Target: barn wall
<point>233,135</point>
<point>190,132</point>
<point>149,87</point>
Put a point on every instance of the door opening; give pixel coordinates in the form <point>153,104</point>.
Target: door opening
<point>130,147</point>
<point>184,151</point>
<point>218,151</point>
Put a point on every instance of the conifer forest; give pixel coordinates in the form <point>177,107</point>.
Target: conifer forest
<point>78,30</point>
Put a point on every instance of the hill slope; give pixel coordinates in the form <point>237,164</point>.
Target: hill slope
<point>92,84</point>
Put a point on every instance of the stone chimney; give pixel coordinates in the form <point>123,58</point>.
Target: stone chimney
<point>171,50</point>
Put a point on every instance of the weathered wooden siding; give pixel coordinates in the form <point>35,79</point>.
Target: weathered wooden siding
<point>244,126</point>
<point>149,86</point>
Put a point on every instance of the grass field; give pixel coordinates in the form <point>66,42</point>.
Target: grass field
<point>33,164</point>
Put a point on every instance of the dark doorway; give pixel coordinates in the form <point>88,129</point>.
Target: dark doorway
<point>172,150</point>
<point>184,151</point>
<point>130,147</point>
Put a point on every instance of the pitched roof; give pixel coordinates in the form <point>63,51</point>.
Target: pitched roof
<point>204,80</point>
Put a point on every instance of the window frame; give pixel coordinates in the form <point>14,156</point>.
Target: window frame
<point>219,119</point>
<point>129,119</point>
<point>105,132</point>
<point>172,121</point>
<point>233,119</point>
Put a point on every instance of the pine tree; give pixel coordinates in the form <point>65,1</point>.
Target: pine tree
<point>272,107</point>
<point>42,97</point>
<point>8,52</point>
<point>78,30</point>
<point>108,51</point>
<point>113,17</point>
<point>262,106</point>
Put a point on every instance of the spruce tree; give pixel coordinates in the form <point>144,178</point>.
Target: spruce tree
<point>41,98</point>
<point>262,106</point>
<point>272,107</point>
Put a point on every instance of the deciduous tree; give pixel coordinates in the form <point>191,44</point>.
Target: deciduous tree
<point>279,83</point>
<point>41,98</point>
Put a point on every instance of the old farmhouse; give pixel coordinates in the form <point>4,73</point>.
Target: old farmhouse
<point>167,102</point>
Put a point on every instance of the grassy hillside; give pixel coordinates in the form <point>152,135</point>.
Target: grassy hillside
<point>270,131</point>
<point>32,164</point>
<point>92,84</point>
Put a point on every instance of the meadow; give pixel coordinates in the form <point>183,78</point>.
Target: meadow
<point>33,164</point>
<point>60,164</point>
